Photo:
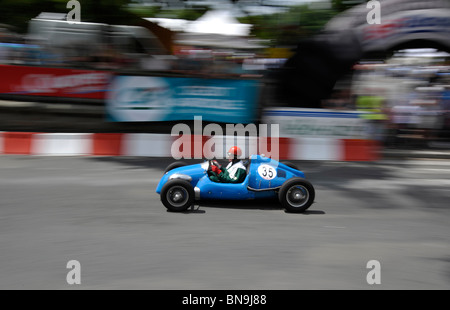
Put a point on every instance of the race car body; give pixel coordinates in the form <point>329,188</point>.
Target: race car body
<point>181,185</point>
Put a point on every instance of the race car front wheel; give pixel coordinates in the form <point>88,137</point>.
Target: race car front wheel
<point>177,195</point>
<point>296,195</point>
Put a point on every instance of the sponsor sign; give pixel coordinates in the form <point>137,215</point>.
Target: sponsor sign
<point>149,98</point>
<point>400,27</point>
<point>54,82</point>
<point>383,25</point>
<point>295,122</point>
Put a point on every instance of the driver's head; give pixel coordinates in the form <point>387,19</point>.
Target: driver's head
<point>234,153</point>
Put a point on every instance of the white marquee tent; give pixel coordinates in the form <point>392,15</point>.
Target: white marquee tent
<point>219,22</point>
<point>216,28</point>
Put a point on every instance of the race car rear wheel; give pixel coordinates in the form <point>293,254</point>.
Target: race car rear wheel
<point>174,165</point>
<point>296,195</point>
<point>177,195</point>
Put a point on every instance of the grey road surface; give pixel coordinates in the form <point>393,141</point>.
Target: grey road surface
<point>104,213</point>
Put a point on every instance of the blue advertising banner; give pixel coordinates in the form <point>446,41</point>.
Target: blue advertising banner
<point>150,98</point>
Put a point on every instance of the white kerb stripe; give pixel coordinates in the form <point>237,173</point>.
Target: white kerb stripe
<point>1,143</point>
<point>142,144</point>
<point>316,149</point>
<point>70,144</point>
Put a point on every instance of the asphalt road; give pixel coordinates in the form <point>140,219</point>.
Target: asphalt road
<point>104,213</point>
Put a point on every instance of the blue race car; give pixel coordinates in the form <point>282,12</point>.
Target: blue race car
<point>183,184</point>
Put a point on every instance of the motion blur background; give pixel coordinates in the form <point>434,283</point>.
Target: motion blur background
<point>303,54</point>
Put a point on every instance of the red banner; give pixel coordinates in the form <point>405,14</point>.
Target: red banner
<point>54,82</point>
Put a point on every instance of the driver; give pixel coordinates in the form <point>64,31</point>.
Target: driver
<point>235,172</point>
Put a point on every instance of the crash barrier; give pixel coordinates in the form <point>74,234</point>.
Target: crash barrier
<point>160,145</point>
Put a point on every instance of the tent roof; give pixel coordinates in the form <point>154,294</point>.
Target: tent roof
<point>218,22</point>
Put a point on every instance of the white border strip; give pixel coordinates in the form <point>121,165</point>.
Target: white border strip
<point>143,144</point>
<point>1,143</point>
<point>61,144</point>
<point>316,149</point>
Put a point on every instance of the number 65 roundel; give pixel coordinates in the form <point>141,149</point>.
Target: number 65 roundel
<point>267,172</point>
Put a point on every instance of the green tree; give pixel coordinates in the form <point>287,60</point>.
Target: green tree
<point>289,27</point>
<point>17,13</point>
<point>342,5</point>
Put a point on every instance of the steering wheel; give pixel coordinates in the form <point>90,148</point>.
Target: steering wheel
<point>211,163</point>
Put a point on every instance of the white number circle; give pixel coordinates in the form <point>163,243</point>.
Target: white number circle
<point>267,172</point>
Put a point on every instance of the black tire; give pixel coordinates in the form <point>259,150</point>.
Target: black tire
<point>174,165</point>
<point>177,195</point>
<point>291,165</point>
<point>296,195</point>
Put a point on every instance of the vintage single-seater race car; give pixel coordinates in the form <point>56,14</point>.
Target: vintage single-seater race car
<point>182,185</point>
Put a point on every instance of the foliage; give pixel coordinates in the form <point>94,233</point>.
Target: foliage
<point>18,12</point>
<point>156,11</point>
<point>287,28</point>
<point>342,5</point>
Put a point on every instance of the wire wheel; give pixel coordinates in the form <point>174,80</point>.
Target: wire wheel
<point>296,195</point>
<point>177,195</point>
